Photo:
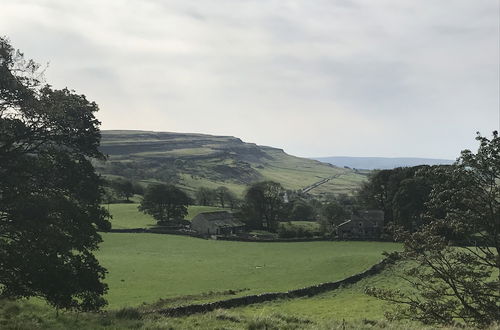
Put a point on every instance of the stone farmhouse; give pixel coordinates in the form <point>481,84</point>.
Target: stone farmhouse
<point>216,223</point>
<point>367,224</point>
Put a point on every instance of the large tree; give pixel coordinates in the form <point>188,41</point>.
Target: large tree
<point>50,195</point>
<point>453,261</point>
<point>263,206</point>
<point>165,202</point>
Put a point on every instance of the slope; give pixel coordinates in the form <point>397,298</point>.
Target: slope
<point>195,160</point>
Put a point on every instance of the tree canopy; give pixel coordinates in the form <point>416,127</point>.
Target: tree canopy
<point>165,202</point>
<point>50,195</point>
<point>454,258</point>
<point>263,205</point>
<point>401,193</point>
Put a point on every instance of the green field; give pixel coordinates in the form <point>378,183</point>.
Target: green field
<point>349,303</point>
<point>345,308</point>
<point>146,267</point>
<point>126,215</point>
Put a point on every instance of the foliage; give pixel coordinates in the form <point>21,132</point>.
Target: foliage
<point>225,197</point>
<point>263,205</point>
<point>294,231</point>
<point>123,188</point>
<point>302,210</point>
<point>50,195</point>
<point>164,203</point>
<point>332,215</point>
<point>452,283</point>
<point>205,196</point>
<point>401,193</point>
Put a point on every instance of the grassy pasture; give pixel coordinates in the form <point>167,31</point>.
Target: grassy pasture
<point>126,215</point>
<point>345,308</point>
<point>146,267</point>
<point>349,303</point>
<point>192,183</point>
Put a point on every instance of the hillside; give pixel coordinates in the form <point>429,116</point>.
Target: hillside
<point>372,163</point>
<point>198,160</point>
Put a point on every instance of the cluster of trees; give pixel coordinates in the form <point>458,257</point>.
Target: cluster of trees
<point>220,196</point>
<point>119,190</point>
<point>401,193</point>
<point>453,257</point>
<point>267,203</point>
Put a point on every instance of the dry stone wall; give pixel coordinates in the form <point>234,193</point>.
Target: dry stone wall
<point>260,298</point>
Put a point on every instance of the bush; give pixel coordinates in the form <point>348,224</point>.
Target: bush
<point>291,231</point>
<point>128,313</point>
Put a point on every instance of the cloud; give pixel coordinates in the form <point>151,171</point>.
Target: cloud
<point>323,77</point>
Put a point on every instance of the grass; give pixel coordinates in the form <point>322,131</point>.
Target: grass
<point>22,315</point>
<point>192,183</point>
<point>296,173</point>
<point>349,303</point>
<point>126,215</point>
<point>345,308</point>
<point>179,152</point>
<point>147,267</point>
<point>210,161</point>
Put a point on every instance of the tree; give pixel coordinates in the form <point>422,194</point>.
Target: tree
<point>205,196</point>
<point>408,202</point>
<point>332,215</point>
<point>165,203</point>
<point>232,200</point>
<point>123,187</point>
<point>50,195</point>
<point>301,210</point>
<point>263,205</point>
<point>225,197</point>
<point>221,194</point>
<point>454,259</point>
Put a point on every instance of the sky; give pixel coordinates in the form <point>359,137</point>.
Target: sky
<point>386,78</point>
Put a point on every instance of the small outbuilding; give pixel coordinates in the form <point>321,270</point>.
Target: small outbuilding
<point>367,224</point>
<point>216,223</point>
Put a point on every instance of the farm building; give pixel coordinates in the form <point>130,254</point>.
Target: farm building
<point>216,223</point>
<point>366,224</point>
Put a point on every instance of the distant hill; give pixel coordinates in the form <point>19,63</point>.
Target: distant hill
<point>199,160</point>
<point>372,163</point>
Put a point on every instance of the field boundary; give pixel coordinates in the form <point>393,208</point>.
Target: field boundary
<point>220,238</point>
<point>238,238</point>
<point>264,297</point>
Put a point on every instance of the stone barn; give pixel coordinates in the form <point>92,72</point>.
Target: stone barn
<point>366,224</point>
<point>216,223</point>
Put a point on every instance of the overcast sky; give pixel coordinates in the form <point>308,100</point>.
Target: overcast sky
<point>315,77</point>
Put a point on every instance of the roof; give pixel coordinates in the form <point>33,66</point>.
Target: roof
<point>220,219</point>
<point>368,216</point>
<point>343,223</point>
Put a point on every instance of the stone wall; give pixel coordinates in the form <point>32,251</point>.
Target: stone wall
<point>263,297</point>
